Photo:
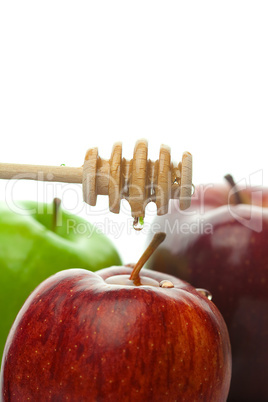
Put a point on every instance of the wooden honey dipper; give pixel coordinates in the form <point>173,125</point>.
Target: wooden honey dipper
<point>139,180</point>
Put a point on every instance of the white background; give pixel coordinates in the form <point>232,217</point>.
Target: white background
<point>74,75</point>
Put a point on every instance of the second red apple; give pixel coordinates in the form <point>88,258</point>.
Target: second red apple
<point>224,248</point>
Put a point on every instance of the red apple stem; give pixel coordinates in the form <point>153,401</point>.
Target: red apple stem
<point>156,241</point>
<point>56,210</point>
<point>237,193</point>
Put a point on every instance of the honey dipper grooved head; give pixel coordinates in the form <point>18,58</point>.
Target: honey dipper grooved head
<point>139,180</point>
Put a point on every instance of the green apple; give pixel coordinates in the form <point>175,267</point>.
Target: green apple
<point>36,241</point>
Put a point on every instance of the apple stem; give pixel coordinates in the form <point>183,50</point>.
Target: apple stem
<point>237,193</point>
<point>156,241</point>
<point>56,210</point>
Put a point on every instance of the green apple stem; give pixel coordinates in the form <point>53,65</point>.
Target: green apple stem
<point>156,241</point>
<point>237,194</point>
<point>56,210</point>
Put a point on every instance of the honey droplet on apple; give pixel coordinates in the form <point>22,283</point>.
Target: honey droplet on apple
<point>138,223</point>
<point>205,293</point>
<point>166,284</point>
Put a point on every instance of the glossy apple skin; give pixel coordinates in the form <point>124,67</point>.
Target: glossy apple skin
<point>231,261</point>
<point>209,196</point>
<point>30,252</point>
<point>78,338</point>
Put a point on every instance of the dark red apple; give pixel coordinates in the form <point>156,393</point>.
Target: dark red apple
<point>224,248</point>
<point>114,335</point>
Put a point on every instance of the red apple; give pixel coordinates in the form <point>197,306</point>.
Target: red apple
<point>224,248</point>
<point>114,335</point>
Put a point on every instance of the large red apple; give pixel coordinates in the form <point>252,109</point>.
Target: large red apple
<point>224,248</point>
<point>114,335</point>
